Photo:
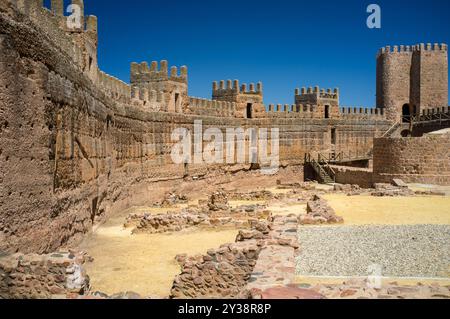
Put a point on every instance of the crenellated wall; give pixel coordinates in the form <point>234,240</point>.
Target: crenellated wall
<point>77,144</point>
<point>204,107</point>
<point>411,79</point>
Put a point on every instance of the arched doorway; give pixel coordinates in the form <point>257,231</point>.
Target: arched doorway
<point>406,114</point>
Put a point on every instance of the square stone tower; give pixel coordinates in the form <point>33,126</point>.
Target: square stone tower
<point>325,101</point>
<point>411,79</point>
<point>171,89</point>
<point>249,101</point>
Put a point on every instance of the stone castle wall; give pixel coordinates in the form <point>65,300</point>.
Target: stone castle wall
<point>76,143</point>
<point>414,160</point>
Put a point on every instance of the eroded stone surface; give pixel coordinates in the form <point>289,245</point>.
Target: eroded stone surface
<point>319,212</point>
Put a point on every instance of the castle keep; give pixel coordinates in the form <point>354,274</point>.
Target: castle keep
<point>412,79</point>
<point>77,143</point>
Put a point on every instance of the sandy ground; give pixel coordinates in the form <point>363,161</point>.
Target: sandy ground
<point>367,210</point>
<point>401,281</point>
<point>428,187</point>
<point>143,263</point>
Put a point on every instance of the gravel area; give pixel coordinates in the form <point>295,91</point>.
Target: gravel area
<point>401,251</point>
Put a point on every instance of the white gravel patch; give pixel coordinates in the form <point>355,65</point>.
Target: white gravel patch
<point>399,251</point>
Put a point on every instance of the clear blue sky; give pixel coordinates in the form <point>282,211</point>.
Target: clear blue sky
<point>284,44</point>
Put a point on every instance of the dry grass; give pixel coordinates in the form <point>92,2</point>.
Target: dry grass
<point>368,210</point>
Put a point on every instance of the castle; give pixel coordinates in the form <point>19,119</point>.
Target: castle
<point>77,143</point>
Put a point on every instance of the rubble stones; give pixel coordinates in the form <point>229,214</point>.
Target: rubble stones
<point>42,276</point>
<point>399,183</point>
<point>351,190</point>
<point>222,272</point>
<point>171,222</point>
<point>218,201</point>
<point>244,235</point>
<point>227,271</point>
<point>253,196</point>
<point>388,190</point>
<point>172,199</point>
<point>319,212</point>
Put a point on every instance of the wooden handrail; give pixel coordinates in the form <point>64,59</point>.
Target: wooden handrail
<point>391,129</point>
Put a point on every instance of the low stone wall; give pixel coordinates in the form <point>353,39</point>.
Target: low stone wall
<point>155,224</point>
<point>58,275</point>
<point>362,177</point>
<point>276,262</point>
<point>227,271</point>
<point>222,273</point>
<point>413,160</point>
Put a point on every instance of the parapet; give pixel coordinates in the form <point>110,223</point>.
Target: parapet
<point>232,87</point>
<point>204,107</point>
<point>114,87</point>
<point>307,111</point>
<point>53,23</point>
<point>435,111</point>
<point>143,73</point>
<point>362,112</point>
<point>318,92</point>
<point>412,48</point>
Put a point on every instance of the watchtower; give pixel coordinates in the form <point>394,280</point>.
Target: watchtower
<point>411,79</point>
<point>325,101</point>
<point>249,100</point>
<point>172,86</point>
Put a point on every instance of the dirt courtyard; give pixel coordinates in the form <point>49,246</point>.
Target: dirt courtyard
<point>145,263</point>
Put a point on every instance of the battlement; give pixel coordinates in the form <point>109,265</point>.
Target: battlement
<point>317,91</point>
<point>292,111</point>
<point>143,73</point>
<point>35,8</point>
<point>350,111</point>
<point>114,87</point>
<point>317,96</point>
<point>78,41</point>
<point>232,87</point>
<point>436,110</point>
<point>205,107</point>
<point>413,48</point>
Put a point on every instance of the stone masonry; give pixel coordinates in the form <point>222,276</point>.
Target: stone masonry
<point>77,144</point>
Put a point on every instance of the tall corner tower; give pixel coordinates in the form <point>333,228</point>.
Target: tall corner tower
<point>411,79</point>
